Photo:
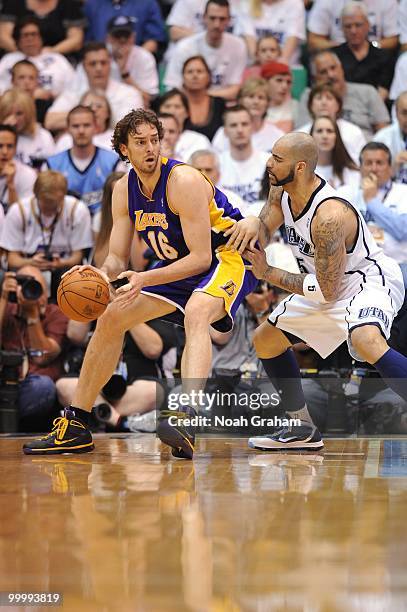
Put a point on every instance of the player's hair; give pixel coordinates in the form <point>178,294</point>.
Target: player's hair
<point>251,86</point>
<point>93,46</point>
<point>237,108</point>
<point>375,146</point>
<point>106,219</point>
<point>13,97</point>
<point>9,128</point>
<point>97,94</point>
<point>340,157</point>
<point>80,108</point>
<point>23,62</point>
<point>204,63</point>
<point>22,22</point>
<point>50,181</point>
<point>128,126</point>
<point>222,3</point>
<point>323,88</point>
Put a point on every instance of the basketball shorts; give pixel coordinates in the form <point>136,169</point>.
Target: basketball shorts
<point>374,299</point>
<point>227,278</point>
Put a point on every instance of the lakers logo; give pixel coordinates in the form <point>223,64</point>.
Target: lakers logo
<point>229,287</point>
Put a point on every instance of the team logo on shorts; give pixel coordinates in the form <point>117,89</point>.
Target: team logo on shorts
<point>229,287</point>
<point>374,312</point>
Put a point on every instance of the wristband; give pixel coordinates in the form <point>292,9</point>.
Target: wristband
<point>33,321</point>
<point>312,290</point>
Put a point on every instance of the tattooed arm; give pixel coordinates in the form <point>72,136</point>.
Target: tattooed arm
<point>329,236</point>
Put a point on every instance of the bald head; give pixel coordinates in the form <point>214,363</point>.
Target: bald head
<point>298,147</point>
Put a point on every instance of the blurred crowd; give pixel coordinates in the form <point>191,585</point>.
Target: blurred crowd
<point>227,79</point>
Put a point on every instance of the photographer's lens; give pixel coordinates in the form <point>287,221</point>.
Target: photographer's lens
<point>31,289</point>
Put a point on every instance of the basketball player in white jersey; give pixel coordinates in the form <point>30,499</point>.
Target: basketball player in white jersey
<point>347,288</point>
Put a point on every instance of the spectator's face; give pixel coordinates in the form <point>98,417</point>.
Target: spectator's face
<point>401,111</point>
<point>328,69</point>
<point>325,104</point>
<point>26,79</point>
<point>268,50</point>
<point>355,29</point>
<point>206,163</point>
<point>238,128</point>
<point>377,163</point>
<point>143,149</point>
<point>50,201</point>
<point>82,128</point>
<point>324,134</point>
<point>279,88</point>
<point>171,135</point>
<point>216,20</point>
<point>196,76</point>
<point>30,41</point>
<point>174,106</point>
<point>256,102</point>
<point>97,68</point>
<point>100,109</point>
<point>8,144</point>
<point>17,118</point>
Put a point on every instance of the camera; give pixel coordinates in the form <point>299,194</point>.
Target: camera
<point>30,288</point>
<point>10,363</point>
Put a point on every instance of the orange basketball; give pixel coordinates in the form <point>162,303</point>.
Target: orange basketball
<point>83,296</point>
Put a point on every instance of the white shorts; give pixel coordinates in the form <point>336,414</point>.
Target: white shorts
<point>325,326</point>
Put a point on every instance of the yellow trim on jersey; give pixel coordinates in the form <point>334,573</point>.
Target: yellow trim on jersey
<point>227,279</point>
<point>166,188</point>
<point>219,223</point>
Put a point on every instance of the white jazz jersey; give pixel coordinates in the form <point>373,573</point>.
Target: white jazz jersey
<point>371,291</point>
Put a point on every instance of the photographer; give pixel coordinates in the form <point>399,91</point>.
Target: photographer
<point>32,325</point>
<point>49,231</point>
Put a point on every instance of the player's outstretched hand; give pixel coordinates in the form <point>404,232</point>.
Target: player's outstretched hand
<point>242,234</point>
<point>126,293</point>
<point>84,267</point>
<point>257,258</point>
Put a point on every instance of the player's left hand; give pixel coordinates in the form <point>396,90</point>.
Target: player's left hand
<point>258,260</point>
<point>126,294</point>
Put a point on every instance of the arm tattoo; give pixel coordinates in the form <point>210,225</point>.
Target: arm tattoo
<point>330,254</point>
<point>271,216</point>
<point>288,281</point>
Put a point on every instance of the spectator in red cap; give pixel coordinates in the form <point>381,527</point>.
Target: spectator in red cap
<point>282,108</point>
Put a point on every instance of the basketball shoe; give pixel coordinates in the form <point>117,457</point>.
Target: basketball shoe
<point>299,437</point>
<point>179,436</point>
<point>69,435</point>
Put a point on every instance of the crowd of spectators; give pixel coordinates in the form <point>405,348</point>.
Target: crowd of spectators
<point>227,78</point>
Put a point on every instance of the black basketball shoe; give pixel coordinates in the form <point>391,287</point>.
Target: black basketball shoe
<point>300,437</point>
<point>69,435</point>
<point>179,436</point>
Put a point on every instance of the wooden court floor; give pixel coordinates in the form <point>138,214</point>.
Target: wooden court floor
<point>129,529</point>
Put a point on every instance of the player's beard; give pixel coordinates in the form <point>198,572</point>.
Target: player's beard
<point>288,179</point>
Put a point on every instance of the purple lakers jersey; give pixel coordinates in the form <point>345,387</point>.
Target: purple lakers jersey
<point>160,227</point>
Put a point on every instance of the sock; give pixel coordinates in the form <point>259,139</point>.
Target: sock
<point>83,415</point>
<point>284,373</point>
<point>392,367</point>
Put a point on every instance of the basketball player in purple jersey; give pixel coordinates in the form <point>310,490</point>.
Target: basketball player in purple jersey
<point>347,288</point>
<point>197,283</point>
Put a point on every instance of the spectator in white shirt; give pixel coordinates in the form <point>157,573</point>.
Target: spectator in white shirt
<point>34,143</point>
<point>324,101</point>
<point>226,54</point>
<point>16,179</point>
<point>103,125</point>
<point>253,95</point>
<point>131,63</point>
<point>335,164</point>
<point>55,72</point>
<point>242,167</point>
<point>96,63</point>
<point>325,26</point>
<point>283,19</point>
<point>175,102</point>
<point>207,162</point>
<point>403,24</point>
<point>395,137</point>
<point>282,109</point>
<point>399,82</point>
<point>25,76</point>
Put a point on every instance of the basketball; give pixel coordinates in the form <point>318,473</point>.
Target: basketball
<point>83,295</point>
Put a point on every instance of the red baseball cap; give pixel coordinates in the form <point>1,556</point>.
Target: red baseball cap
<point>272,68</point>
